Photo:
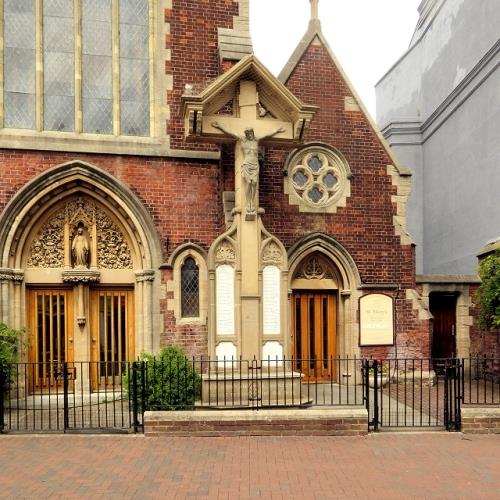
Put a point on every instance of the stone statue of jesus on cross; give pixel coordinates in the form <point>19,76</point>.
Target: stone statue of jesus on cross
<point>250,166</point>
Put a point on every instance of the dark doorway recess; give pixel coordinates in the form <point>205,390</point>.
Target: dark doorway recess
<point>443,307</point>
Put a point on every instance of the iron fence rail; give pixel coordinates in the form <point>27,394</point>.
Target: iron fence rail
<point>63,397</point>
<point>113,396</point>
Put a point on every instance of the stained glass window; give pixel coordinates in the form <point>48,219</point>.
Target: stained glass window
<point>190,289</point>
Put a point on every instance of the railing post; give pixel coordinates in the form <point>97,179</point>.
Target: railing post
<point>143,390</point>
<point>65,395</point>
<point>375,394</point>
<point>134,398</point>
<point>366,395</point>
<point>3,386</point>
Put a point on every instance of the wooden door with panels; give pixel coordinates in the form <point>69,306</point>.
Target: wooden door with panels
<point>314,325</point>
<point>51,337</point>
<point>112,335</point>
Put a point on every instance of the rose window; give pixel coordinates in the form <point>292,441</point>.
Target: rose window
<point>318,176</point>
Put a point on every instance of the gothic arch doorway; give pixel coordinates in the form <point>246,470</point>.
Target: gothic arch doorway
<point>314,318</point>
<point>83,253</point>
<point>325,288</point>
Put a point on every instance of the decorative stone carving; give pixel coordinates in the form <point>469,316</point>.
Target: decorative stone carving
<point>272,254</point>
<point>113,251</point>
<point>15,275</point>
<point>314,268</point>
<point>81,276</point>
<point>148,275</point>
<point>47,249</point>
<point>318,179</point>
<point>92,239</point>
<point>81,210</point>
<point>225,253</point>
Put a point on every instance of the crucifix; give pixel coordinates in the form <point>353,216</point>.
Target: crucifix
<point>250,166</point>
<point>249,129</point>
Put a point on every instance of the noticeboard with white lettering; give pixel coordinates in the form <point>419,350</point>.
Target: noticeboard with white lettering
<point>376,318</point>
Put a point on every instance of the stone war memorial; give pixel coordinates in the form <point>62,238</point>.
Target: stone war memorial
<point>161,187</point>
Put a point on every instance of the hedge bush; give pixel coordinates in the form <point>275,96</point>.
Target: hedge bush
<point>488,296</point>
<point>171,381</point>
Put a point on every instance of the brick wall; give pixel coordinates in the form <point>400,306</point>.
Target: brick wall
<point>365,226</point>
<point>287,422</point>
<point>195,57</point>
<point>481,420</point>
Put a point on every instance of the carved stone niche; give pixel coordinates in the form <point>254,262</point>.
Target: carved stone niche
<point>81,238</point>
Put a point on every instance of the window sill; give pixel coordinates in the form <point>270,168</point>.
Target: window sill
<point>94,143</point>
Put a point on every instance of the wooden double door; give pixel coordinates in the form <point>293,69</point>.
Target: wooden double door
<point>53,331</point>
<point>314,327</point>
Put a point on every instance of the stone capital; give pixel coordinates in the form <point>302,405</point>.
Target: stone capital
<point>15,275</point>
<point>145,275</point>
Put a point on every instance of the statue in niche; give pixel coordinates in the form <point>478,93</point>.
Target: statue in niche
<point>250,166</point>
<point>80,249</point>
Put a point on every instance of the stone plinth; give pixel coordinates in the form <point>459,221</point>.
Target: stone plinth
<point>253,388</point>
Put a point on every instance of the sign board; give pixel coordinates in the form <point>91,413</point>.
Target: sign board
<point>376,318</point>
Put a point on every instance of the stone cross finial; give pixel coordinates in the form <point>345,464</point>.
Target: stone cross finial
<point>314,9</point>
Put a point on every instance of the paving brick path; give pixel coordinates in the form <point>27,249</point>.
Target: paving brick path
<point>427,465</point>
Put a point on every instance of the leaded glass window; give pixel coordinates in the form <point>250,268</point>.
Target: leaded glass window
<point>19,64</point>
<point>59,65</point>
<point>97,63</point>
<point>190,289</point>
<point>77,71</point>
<point>134,67</point>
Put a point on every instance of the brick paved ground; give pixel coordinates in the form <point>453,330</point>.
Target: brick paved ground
<point>427,465</point>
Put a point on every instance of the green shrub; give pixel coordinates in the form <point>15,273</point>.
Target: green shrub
<point>10,340</point>
<point>488,296</point>
<point>171,381</point>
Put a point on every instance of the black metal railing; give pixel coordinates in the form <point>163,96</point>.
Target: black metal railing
<point>97,396</point>
<point>76,396</point>
<point>481,384</point>
<point>429,392</point>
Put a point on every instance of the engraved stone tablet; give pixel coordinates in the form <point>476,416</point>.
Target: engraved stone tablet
<point>225,300</point>
<point>271,300</point>
<point>376,320</point>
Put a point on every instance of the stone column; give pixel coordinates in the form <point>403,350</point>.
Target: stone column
<point>146,279</point>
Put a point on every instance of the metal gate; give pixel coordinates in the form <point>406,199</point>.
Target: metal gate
<point>82,397</point>
<point>414,393</point>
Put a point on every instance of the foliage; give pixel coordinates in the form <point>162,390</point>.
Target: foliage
<point>9,345</point>
<point>488,295</point>
<point>171,381</point>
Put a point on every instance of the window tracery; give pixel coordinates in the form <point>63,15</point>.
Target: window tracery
<point>318,179</point>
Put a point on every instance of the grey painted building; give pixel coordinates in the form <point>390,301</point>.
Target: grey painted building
<point>439,108</point>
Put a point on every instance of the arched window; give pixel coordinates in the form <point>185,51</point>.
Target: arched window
<point>190,289</point>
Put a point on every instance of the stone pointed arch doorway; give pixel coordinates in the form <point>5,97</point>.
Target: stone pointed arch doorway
<point>84,253</point>
<point>324,285</point>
